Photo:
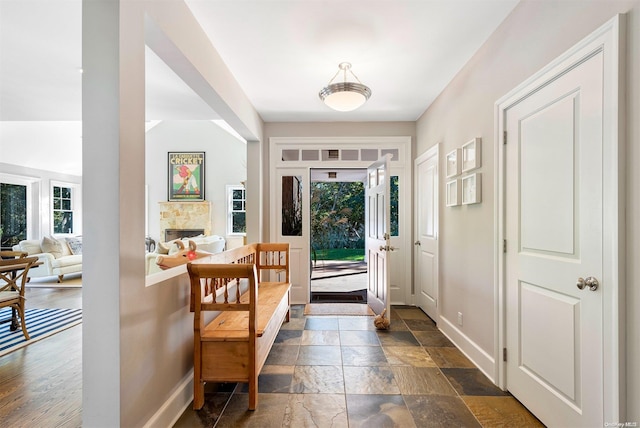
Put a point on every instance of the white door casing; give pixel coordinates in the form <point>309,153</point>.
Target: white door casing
<point>426,223</point>
<point>378,240</point>
<point>558,222</point>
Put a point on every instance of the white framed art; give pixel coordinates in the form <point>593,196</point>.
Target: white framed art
<point>472,189</point>
<point>453,193</point>
<point>471,155</point>
<point>452,163</point>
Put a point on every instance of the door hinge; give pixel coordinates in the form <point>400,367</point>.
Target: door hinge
<point>504,354</point>
<point>504,137</point>
<point>504,245</point>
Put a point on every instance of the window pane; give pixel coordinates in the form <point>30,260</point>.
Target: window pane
<point>56,204</point>
<point>62,222</point>
<point>292,206</point>
<point>239,223</point>
<point>237,194</point>
<point>395,195</point>
<point>13,214</point>
<point>66,204</point>
<point>66,192</point>
<point>237,206</point>
<point>56,192</point>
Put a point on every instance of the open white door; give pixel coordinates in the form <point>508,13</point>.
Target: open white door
<point>426,267</point>
<point>378,238</point>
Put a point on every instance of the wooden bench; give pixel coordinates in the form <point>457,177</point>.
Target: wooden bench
<point>240,284</point>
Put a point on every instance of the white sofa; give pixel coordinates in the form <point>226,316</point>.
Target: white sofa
<point>210,244</point>
<point>56,255</point>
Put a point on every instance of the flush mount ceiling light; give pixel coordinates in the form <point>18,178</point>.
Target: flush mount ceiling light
<point>345,96</point>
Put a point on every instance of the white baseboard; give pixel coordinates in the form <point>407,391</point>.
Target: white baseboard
<point>176,404</point>
<point>484,361</point>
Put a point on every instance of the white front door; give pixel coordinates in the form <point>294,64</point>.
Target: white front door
<point>378,238</point>
<point>426,244</point>
<point>554,241</point>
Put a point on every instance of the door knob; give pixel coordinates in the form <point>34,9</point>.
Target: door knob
<point>590,282</point>
<point>417,243</point>
<point>387,248</point>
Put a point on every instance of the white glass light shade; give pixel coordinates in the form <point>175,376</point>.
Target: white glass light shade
<point>345,96</point>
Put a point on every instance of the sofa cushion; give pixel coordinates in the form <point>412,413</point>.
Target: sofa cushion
<point>52,245</point>
<point>31,246</point>
<point>66,261</point>
<point>75,245</point>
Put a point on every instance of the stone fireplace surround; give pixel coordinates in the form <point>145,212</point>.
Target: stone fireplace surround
<point>185,216</point>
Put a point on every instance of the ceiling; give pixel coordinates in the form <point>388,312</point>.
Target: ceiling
<point>281,52</point>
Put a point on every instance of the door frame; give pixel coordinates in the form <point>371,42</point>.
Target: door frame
<point>433,151</point>
<point>610,39</point>
<point>401,167</point>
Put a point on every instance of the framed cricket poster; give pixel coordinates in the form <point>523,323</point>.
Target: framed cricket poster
<point>186,176</point>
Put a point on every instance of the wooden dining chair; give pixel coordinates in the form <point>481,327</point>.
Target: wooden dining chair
<point>14,268</point>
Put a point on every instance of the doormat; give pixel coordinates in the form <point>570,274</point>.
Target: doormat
<point>343,309</point>
<point>41,323</point>
<point>359,296</point>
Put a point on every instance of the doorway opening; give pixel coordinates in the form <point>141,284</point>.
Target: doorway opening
<point>338,265</point>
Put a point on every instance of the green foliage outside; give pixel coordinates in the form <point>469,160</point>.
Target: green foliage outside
<point>346,254</point>
<point>337,216</point>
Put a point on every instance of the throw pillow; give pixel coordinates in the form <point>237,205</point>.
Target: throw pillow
<point>31,247</point>
<point>51,245</point>
<point>75,245</point>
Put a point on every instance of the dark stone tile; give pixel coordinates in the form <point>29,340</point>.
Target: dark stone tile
<point>272,383</point>
<point>397,338</point>
<point>433,339</point>
<point>421,325</point>
<point>321,323</point>
<point>319,355</point>
<point>369,411</point>
<point>414,356</point>
<point>318,380</point>
<point>359,338</point>
<point>207,416</point>
<point>283,355</point>
<point>440,411</point>
<point>363,356</point>
<point>289,337</point>
<point>471,382</point>
<point>269,413</point>
<point>398,325</point>
<point>413,313</point>
<point>296,311</point>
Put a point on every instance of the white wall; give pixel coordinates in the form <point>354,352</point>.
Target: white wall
<point>533,35</point>
<point>225,163</point>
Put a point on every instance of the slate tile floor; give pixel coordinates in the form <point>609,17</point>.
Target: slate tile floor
<point>339,372</point>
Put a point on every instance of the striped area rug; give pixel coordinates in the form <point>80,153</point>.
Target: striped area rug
<point>41,323</point>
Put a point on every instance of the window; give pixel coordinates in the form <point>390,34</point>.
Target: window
<point>236,210</point>
<point>13,214</point>
<point>62,197</point>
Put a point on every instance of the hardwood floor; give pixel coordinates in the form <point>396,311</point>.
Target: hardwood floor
<point>42,382</point>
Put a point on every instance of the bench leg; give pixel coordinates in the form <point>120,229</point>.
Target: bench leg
<point>253,394</point>
<point>198,394</point>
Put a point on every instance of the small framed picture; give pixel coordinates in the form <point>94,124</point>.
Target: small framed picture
<point>453,193</point>
<point>453,163</point>
<point>186,176</point>
<point>471,154</point>
<point>472,189</point>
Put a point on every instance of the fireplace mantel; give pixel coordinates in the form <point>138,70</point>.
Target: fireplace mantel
<point>185,215</point>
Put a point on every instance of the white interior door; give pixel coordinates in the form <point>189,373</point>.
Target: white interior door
<point>554,240</point>
<point>426,244</point>
<point>292,226</point>
<point>378,238</point>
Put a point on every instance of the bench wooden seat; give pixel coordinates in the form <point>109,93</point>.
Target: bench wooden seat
<point>235,344</point>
